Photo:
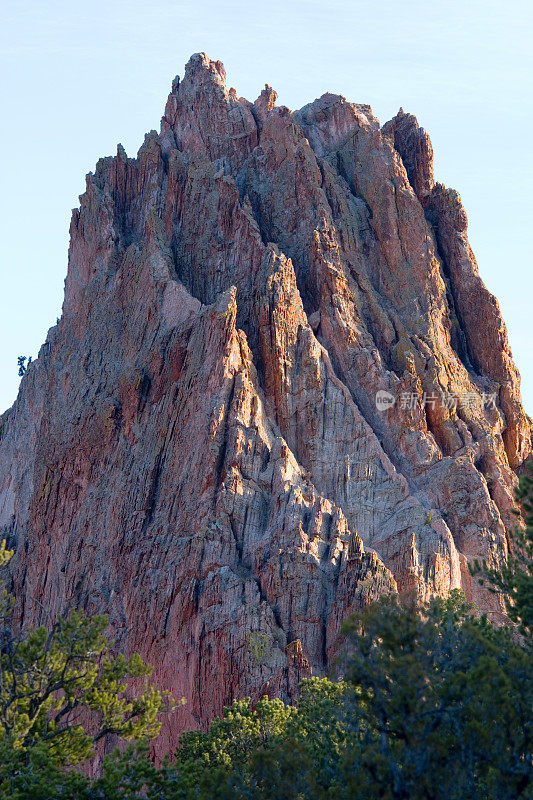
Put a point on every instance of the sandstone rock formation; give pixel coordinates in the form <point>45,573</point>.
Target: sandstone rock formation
<point>198,450</point>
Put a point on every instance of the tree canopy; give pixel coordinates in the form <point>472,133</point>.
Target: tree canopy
<point>62,690</point>
<point>435,703</point>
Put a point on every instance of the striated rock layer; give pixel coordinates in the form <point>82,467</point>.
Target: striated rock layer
<point>198,450</point>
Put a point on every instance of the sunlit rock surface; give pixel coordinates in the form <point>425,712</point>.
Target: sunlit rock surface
<point>198,450</point>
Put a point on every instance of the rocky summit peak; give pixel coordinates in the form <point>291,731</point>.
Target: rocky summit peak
<point>200,69</point>
<point>279,388</point>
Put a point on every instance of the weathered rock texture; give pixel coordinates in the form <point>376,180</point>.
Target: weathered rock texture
<point>198,450</point>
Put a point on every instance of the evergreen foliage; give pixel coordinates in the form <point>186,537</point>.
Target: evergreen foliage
<point>435,704</point>
<point>61,691</point>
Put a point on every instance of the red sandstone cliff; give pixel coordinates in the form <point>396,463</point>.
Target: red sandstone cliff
<point>198,451</point>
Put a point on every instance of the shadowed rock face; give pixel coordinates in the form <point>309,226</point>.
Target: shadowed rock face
<point>198,451</point>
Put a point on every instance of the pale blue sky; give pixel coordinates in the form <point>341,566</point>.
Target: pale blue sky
<point>79,77</point>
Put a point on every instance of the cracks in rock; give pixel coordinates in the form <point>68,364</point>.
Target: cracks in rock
<point>263,225</point>
<point>336,161</point>
<point>238,544</point>
<point>324,404</point>
<point>156,472</point>
<point>221,458</point>
<point>458,336</point>
<point>153,491</point>
<point>326,592</point>
<point>245,570</point>
<point>258,126</point>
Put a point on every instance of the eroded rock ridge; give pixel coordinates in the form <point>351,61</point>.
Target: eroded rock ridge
<point>198,450</point>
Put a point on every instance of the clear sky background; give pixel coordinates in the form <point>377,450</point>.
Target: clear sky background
<point>79,77</point>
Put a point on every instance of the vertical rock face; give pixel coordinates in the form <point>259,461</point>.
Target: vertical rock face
<point>278,389</point>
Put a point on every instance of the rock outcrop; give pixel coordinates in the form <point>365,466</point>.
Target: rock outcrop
<point>278,389</point>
